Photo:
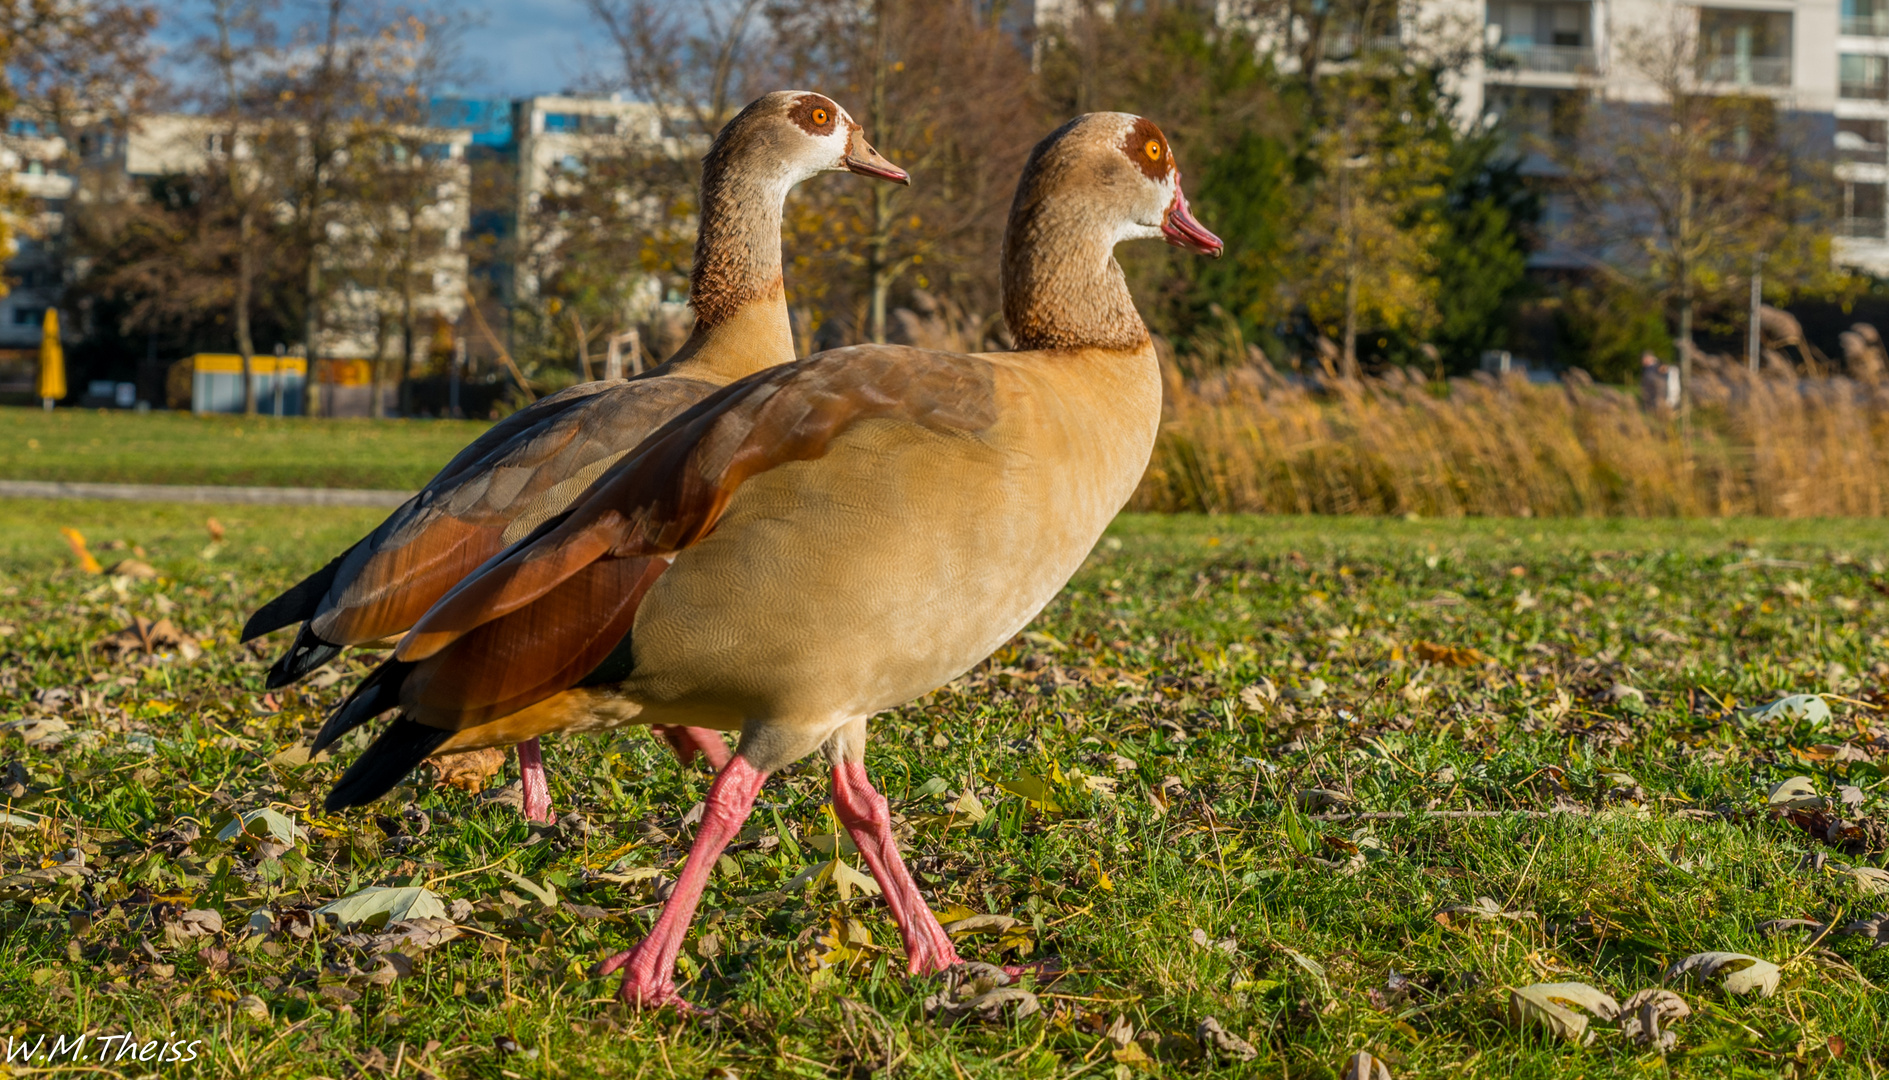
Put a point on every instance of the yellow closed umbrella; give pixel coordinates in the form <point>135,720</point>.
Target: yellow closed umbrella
<point>52,362</point>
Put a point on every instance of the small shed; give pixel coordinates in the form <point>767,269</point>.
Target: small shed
<point>216,383</point>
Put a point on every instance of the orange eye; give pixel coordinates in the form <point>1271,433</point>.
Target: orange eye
<point>1153,150</point>
<point>819,117</point>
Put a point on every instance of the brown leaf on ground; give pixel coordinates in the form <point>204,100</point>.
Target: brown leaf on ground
<point>1644,1018</point>
<point>133,568</point>
<point>1362,1066</point>
<point>151,638</point>
<point>1216,1039</point>
<point>216,530</point>
<point>1852,836</point>
<point>467,771</point>
<point>1447,655</point>
<point>76,541</point>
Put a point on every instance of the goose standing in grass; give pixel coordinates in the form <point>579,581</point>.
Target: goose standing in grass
<point>536,462</point>
<point>819,542</point>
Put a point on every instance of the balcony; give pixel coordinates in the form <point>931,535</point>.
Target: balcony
<point>1546,59</point>
<point>1872,24</point>
<point>1863,91</point>
<point>1747,70</point>
<point>1861,228</point>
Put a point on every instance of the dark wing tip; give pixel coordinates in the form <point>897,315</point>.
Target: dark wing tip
<point>307,653</point>
<point>399,749</point>
<point>378,693</point>
<point>299,603</point>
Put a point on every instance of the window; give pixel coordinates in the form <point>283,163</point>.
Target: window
<point>1745,48</point>
<point>29,316</point>
<point>1864,77</point>
<point>1866,18</point>
<point>1862,140</point>
<point>1549,37</point>
<point>1863,210</point>
<point>1536,114</point>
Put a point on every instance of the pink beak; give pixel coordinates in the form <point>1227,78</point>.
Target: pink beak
<point>1181,230</point>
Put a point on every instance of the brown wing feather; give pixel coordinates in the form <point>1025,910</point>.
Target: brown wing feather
<point>461,519</point>
<point>537,622</point>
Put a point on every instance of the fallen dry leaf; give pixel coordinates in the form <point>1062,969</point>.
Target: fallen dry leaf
<point>379,905</point>
<point>1554,1006</point>
<point>76,541</point>
<point>982,992</point>
<point>1362,1066</point>
<point>152,638</point>
<point>468,770</point>
<point>1447,655</point>
<point>133,568</point>
<point>1217,1040</point>
<point>1644,1018</point>
<point>1797,793</point>
<point>1736,973</point>
<point>215,529</point>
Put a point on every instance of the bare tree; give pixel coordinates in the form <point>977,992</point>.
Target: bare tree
<point>1683,183</point>
<point>942,90</point>
<point>325,96</point>
<point>69,64</point>
<point>239,45</point>
<point>689,59</point>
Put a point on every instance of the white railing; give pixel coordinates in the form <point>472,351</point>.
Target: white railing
<point>1869,228</point>
<point>1550,59</point>
<point>1748,70</point>
<point>1875,24</point>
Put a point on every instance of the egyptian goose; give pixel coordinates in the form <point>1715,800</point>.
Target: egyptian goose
<point>536,462</point>
<point>819,542</point>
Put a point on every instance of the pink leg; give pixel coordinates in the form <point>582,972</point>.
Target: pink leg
<point>863,811</point>
<point>537,793</point>
<point>649,968</point>
<point>690,741</point>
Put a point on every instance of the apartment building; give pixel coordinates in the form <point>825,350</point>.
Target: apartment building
<point>1825,63</point>
<point>32,159</point>
<point>174,144</point>
<point>178,144</point>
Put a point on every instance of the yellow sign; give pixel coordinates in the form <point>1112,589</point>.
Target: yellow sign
<point>232,364</point>
<point>52,361</point>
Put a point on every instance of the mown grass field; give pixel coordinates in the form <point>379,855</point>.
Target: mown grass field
<point>109,446</point>
<point>1577,683</point>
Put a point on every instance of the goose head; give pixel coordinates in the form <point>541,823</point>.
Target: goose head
<point>1098,180</point>
<point>799,134</point>
<point>1112,174</point>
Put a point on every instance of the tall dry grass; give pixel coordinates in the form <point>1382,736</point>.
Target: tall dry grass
<point>1248,441</point>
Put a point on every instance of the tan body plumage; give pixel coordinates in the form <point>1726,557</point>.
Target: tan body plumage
<point>822,540</point>
<point>535,464</point>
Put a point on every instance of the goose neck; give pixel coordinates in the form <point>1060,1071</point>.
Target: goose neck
<point>738,243</point>
<point>1062,288</point>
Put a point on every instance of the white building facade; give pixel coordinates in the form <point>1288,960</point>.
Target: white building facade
<point>1824,62</point>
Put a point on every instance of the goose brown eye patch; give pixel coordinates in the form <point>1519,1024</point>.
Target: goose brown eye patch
<point>1148,149</point>
<point>814,114</point>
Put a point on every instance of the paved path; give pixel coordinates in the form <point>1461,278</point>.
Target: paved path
<point>202,493</point>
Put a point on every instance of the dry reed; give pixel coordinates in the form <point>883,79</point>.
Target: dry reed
<point>1249,441</point>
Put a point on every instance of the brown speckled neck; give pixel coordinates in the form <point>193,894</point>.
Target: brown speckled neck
<point>738,240</point>
<point>1062,288</point>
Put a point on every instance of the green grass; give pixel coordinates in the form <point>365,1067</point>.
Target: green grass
<point>108,446</point>
<point>1143,659</point>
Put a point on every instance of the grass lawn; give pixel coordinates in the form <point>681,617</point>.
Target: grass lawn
<point>1124,781</point>
<point>109,446</point>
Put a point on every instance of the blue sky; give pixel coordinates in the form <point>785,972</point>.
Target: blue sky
<point>531,47</point>
<point>535,47</point>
